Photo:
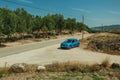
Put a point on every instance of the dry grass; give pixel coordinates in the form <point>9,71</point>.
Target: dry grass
<point>106,63</point>
<point>63,70</point>
<point>94,67</point>
<point>64,66</point>
<point>103,42</point>
<point>70,66</point>
<point>31,68</point>
<point>114,31</point>
<point>76,66</point>
<point>4,71</point>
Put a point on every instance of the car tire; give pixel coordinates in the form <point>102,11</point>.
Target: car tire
<point>78,45</point>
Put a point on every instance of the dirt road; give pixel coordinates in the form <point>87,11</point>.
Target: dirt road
<point>35,45</point>
<point>51,53</point>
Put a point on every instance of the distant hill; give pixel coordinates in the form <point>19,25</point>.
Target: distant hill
<point>106,28</point>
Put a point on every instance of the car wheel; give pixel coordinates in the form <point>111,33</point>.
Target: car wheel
<point>78,45</point>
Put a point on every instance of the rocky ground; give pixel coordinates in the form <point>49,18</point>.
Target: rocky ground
<point>105,42</point>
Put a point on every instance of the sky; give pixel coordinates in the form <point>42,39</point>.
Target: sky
<point>95,12</point>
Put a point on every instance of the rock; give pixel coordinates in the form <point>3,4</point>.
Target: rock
<point>41,68</point>
<point>18,67</point>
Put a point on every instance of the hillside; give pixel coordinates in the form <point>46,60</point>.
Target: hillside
<point>106,28</point>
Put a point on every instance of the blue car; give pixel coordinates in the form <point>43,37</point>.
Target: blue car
<point>70,43</point>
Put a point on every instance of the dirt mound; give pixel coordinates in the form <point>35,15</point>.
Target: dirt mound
<point>85,32</point>
<point>105,42</point>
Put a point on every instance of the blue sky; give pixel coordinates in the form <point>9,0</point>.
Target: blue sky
<point>96,12</point>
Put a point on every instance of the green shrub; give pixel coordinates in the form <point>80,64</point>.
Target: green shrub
<point>3,72</point>
<point>115,65</point>
<point>97,78</point>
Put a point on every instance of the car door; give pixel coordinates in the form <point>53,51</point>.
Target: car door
<point>74,43</point>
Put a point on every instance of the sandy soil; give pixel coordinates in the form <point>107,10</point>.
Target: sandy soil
<point>51,54</point>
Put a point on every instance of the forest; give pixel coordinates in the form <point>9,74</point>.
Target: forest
<point>17,24</point>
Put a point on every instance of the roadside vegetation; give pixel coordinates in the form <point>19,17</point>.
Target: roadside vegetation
<point>71,70</point>
<point>104,42</point>
<point>19,24</point>
<point>114,31</point>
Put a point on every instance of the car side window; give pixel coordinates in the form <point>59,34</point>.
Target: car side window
<point>73,41</point>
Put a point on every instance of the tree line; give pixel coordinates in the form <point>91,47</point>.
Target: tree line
<point>20,22</point>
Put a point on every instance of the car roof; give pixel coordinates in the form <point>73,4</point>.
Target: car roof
<point>72,39</point>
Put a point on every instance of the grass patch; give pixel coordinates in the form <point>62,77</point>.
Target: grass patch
<point>97,78</point>
<point>76,66</point>
<point>71,70</point>
<point>117,69</point>
<point>73,66</point>
<point>4,71</point>
<point>31,68</point>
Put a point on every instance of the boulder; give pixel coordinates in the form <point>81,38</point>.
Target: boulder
<point>41,68</point>
<point>18,67</point>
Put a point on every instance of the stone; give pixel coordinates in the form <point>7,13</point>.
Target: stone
<point>41,68</point>
<point>18,68</point>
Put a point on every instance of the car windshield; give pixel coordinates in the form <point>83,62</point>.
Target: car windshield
<point>69,40</point>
